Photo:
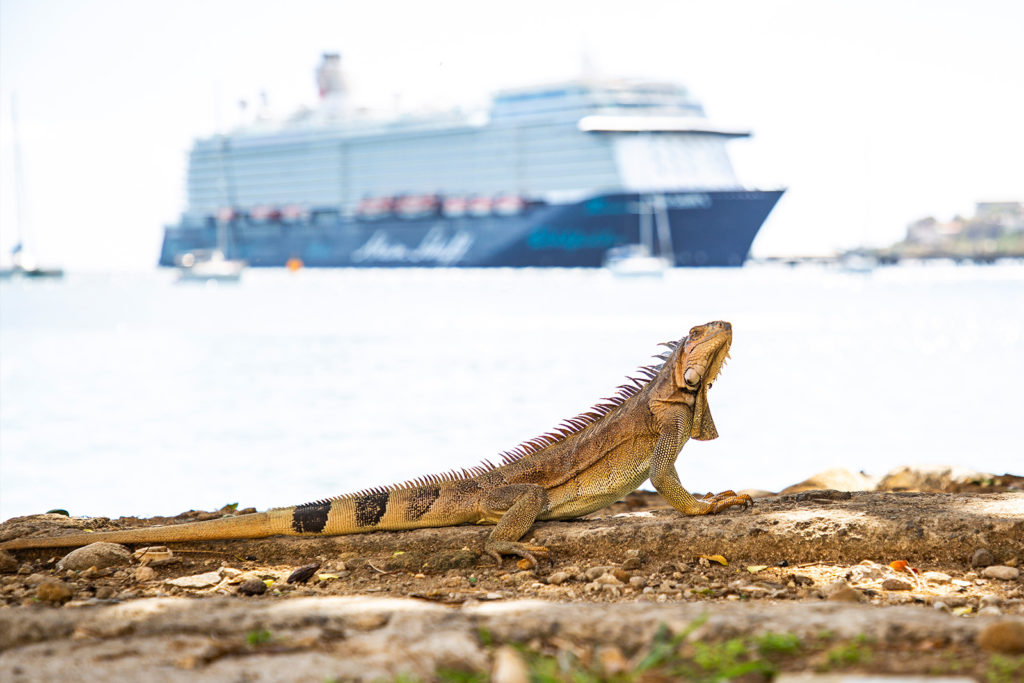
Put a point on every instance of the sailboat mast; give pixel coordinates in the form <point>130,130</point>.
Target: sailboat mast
<point>19,178</point>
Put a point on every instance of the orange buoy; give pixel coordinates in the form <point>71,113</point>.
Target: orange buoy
<point>293,264</point>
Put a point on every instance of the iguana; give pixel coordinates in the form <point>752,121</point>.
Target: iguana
<point>586,463</point>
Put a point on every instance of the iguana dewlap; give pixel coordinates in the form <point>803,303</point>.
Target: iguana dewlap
<point>586,463</point>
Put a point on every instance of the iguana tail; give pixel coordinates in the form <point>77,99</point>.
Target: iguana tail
<point>256,525</point>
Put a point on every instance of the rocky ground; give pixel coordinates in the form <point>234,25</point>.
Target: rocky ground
<point>810,582</point>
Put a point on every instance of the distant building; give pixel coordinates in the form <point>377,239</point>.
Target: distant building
<point>991,220</point>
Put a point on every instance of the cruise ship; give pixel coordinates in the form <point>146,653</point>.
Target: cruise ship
<point>561,175</point>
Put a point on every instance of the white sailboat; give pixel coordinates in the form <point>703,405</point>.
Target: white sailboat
<point>23,262</point>
<point>213,264</point>
<point>641,259</point>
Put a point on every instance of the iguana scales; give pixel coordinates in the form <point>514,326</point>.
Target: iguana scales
<point>586,463</point>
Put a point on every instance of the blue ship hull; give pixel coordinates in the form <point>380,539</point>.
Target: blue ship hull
<point>707,229</point>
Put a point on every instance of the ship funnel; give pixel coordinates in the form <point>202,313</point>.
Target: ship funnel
<point>330,78</point>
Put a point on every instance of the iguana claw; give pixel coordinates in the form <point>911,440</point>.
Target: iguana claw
<point>726,499</point>
<point>498,548</point>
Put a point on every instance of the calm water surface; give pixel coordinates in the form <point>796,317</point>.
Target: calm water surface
<point>135,395</point>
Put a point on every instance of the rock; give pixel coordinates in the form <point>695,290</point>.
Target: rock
<point>304,573</point>
<point>144,573</point>
<point>1006,637</point>
<point>865,571</point>
<point>105,592</point>
<point>252,586</point>
<point>99,555</point>
<point>36,579</point>
<point>1002,572</point>
<point>621,574</point>
<point>196,581</point>
<point>839,591</point>
<point>637,582</point>
<point>154,555</point>
<point>934,478</point>
<point>837,478</point>
<point>509,667</point>
<point>54,592</point>
<point>982,558</point>
<point>990,611</point>
<point>595,572</point>
<point>558,578</point>
<point>936,577</point>
<point>896,585</point>
<point>8,563</point>
<point>631,563</point>
<point>987,600</point>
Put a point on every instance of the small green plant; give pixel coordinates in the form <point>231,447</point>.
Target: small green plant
<point>849,654</point>
<point>1002,669</point>
<point>459,676</point>
<point>258,637</point>
<point>484,636</point>
<point>778,643</point>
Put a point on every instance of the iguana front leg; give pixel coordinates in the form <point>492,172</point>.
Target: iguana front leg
<point>665,479</point>
<point>518,506</point>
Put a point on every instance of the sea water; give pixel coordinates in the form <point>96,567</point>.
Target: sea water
<point>136,395</point>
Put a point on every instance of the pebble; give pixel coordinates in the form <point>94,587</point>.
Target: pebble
<point>1000,571</point>
<point>896,585</point>
<point>595,572</point>
<point>987,600</point>
<point>632,563</point>
<point>154,554</point>
<point>53,591</point>
<point>1006,637</point>
<point>36,579</point>
<point>982,557</point>
<point>838,591</point>
<point>558,578</point>
<point>865,571</point>
<point>637,582</point>
<point>937,577</point>
<point>990,611</point>
<point>196,581</point>
<point>509,666</point>
<point>99,555</point>
<point>608,580</point>
<point>303,574</point>
<point>252,586</point>
<point>105,592</point>
<point>145,573</point>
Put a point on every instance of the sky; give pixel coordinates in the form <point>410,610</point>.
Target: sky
<point>872,114</point>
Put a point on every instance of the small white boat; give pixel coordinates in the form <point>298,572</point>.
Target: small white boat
<point>209,266</point>
<point>640,260</point>
<point>635,260</point>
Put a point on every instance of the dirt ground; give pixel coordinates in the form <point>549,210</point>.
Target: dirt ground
<point>811,582</point>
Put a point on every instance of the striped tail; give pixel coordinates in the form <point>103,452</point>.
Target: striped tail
<point>256,525</point>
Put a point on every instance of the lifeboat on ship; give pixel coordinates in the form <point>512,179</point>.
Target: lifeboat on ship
<point>374,208</point>
<point>417,205</point>
<point>479,206</point>
<point>455,207</point>
<point>509,205</point>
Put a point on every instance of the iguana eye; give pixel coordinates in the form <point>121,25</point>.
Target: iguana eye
<point>691,377</point>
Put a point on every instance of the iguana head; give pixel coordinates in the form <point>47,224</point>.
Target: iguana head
<point>699,358</point>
